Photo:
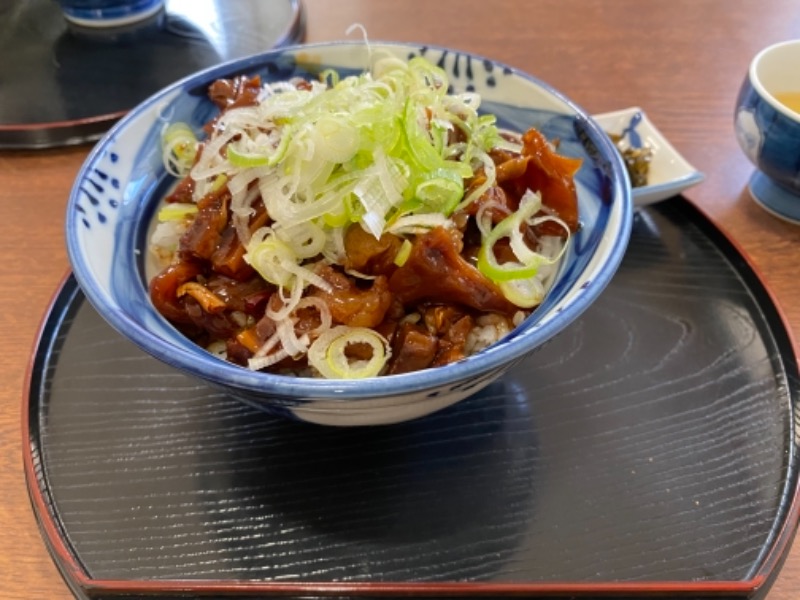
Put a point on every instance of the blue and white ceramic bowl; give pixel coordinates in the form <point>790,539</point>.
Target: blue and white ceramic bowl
<point>769,131</point>
<point>122,180</point>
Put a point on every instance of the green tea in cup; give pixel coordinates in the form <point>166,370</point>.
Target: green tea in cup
<point>790,100</point>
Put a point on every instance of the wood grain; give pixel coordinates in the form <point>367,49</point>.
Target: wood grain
<point>682,61</point>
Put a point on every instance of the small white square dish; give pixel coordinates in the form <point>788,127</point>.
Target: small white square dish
<point>669,172</point>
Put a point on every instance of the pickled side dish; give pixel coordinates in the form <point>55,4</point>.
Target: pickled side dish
<point>637,160</point>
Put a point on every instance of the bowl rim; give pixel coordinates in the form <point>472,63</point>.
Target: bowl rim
<point>756,82</point>
<point>229,375</point>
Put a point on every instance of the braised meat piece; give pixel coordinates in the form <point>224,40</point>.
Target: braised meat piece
<point>164,290</point>
<point>353,305</point>
<point>368,254</point>
<point>233,93</point>
<point>202,238</point>
<point>436,271</point>
<point>551,174</point>
<point>413,348</point>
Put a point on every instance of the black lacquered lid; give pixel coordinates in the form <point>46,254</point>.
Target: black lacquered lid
<point>63,84</point>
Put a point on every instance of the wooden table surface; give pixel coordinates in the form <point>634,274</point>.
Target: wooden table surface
<point>682,61</point>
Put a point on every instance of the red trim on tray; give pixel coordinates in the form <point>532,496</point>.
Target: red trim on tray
<point>49,126</point>
<point>65,560</point>
<point>248,588</point>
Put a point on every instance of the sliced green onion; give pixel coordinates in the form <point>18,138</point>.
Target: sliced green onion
<point>178,132</point>
<point>442,190</point>
<point>337,140</point>
<point>262,153</point>
<point>418,140</point>
<point>328,353</point>
<point>218,183</point>
<point>518,279</point>
<point>403,253</point>
<point>338,219</point>
<point>272,258</point>
<point>245,159</point>
<point>176,211</point>
<point>525,293</point>
<point>528,261</point>
<point>329,76</point>
<point>488,265</point>
<point>379,191</point>
<point>179,145</point>
<point>304,240</point>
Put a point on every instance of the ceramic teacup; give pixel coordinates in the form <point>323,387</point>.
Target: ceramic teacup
<point>767,125</point>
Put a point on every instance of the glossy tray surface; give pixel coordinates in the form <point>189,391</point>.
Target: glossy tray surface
<point>651,447</point>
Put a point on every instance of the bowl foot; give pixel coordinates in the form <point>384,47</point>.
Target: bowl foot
<point>774,198</point>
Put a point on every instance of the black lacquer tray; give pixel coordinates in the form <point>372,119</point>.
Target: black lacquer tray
<point>651,449</point>
<point>62,85</point>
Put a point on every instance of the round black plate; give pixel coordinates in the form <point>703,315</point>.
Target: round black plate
<point>649,449</point>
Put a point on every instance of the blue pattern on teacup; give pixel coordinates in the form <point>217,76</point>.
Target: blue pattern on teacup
<point>769,138</point>
<point>748,134</point>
